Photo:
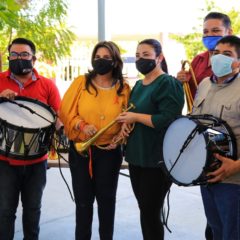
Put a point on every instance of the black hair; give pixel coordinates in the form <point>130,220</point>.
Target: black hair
<point>117,68</point>
<point>23,41</point>
<point>221,16</point>
<point>158,50</point>
<point>233,41</point>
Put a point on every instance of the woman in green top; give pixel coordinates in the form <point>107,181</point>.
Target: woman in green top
<point>158,99</point>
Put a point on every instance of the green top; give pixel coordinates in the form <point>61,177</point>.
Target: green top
<point>164,100</point>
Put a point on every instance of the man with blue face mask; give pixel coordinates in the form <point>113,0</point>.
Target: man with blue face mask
<point>215,26</point>
<point>218,95</point>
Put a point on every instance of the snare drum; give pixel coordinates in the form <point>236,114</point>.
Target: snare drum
<point>189,145</point>
<point>26,128</point>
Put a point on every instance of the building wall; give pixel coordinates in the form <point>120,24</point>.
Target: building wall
<point>79,62</point>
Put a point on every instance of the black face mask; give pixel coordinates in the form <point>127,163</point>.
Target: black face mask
<point>102,66</point>
<point>145,65</point>
<point>20,66</point>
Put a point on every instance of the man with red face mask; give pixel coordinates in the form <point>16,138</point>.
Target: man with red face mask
<point>22,176</point>
<point>215,26</point>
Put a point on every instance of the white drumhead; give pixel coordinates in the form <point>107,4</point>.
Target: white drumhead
<point>22,117</point>
<point>191,162</point>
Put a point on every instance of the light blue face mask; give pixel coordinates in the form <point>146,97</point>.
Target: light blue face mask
<point>221,65</point>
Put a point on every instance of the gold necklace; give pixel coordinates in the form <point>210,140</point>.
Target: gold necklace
<point>102,116</point>
<point>103,106</point>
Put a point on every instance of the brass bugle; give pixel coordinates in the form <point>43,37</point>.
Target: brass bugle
<point>119,139</point>
<point>186,87</point>
<point>83,146</point>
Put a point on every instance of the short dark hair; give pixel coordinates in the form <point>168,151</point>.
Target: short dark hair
<point>233,41</point>
<point>221,16</point>
<point>23,41</point>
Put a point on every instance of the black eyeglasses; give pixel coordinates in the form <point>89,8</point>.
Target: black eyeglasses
<point>22,55</point>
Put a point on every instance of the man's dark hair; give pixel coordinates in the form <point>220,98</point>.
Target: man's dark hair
<point>221,16</point>
<point>233,41</point>
<point>23,41</point>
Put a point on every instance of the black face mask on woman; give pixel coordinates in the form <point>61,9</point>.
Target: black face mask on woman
<point>20,66</point>
<point>145,65</point>
<point>102,66</point>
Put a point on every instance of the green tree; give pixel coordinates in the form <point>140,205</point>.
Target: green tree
<point>44,22</point>
<point>193,42</point>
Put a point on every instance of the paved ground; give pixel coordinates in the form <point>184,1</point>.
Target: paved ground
<point>186,220</point>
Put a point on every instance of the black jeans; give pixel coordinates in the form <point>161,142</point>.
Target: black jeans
<point>208,233</point>
<point>102,186</point>
<point>150,186</point>
<point>29,181</point>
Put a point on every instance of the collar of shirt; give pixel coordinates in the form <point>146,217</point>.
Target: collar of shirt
<point>12,76</point>
<point>213,78</point>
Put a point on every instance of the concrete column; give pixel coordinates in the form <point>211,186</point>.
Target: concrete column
<point>101,20</point>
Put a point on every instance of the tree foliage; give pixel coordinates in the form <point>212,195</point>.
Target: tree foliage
<point>44,22</point>
<point>193,42</point>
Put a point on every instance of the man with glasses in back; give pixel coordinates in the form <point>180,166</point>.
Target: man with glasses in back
<point>27,178</point>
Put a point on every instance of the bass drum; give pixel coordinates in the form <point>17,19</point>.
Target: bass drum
<point>26,128</point>
<point>189,145</point>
